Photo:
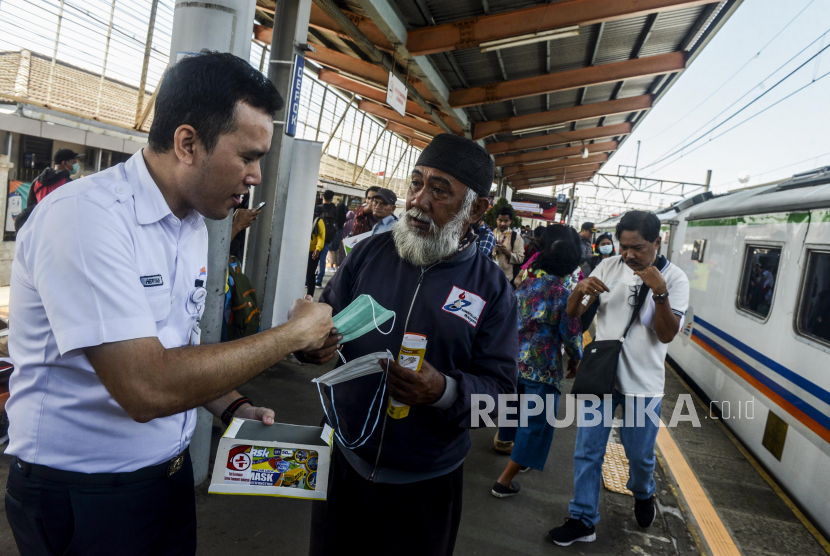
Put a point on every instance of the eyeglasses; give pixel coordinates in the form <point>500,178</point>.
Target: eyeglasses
<point>633,296</point>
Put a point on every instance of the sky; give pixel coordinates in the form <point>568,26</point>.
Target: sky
<point>788,138</point>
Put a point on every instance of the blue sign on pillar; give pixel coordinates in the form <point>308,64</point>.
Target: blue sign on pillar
<point>562,198</point>
<point>293,113</point>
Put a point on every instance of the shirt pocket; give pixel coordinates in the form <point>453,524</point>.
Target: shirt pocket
<point>159,301</point>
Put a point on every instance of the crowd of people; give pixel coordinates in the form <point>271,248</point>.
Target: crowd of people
<point>108,288</point>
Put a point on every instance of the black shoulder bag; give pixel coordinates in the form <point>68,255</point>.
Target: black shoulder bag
<point>598,368</point>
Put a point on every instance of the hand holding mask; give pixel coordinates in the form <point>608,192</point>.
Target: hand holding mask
<point>360,317</point>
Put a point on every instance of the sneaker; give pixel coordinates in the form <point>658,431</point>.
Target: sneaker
<point>319,284</point>
<point>501,446</point>
<point>524,469</point>
<point>645,512</point>
<point>501,491</point>
<point>573,531</point>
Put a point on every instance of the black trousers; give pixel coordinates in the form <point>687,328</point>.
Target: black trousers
<point>311,274</point>
<point>154,517</point>
<point>377,519</point>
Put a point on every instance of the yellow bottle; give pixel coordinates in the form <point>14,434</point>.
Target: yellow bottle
<point>413,350</point>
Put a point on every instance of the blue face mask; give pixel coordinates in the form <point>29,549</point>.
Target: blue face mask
<point>362,366</point>
<point>606,249</point>
<point>76,168</point>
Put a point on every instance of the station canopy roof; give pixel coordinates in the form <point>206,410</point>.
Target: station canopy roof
<point>537,81</point>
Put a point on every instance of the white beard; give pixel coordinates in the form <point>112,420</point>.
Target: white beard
<point>437,244</point>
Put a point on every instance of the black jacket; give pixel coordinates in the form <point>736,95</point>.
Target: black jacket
<point>482,358</point>
<point>47,178</point>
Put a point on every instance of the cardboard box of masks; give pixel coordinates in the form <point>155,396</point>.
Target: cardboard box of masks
<point>277,460</point>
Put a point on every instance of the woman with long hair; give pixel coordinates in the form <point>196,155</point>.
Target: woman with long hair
<point>544,328</point>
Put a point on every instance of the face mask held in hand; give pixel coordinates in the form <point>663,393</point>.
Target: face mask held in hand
<point>361,316</point>
<point>362,366</point>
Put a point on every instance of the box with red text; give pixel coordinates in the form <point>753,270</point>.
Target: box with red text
<point>276,460</point>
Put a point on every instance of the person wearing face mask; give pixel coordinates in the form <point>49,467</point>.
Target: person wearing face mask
<point>66,165</point>
<point>406,478</point>
<point>604,249</point>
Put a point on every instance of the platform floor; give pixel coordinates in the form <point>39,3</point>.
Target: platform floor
<point>756,520</point>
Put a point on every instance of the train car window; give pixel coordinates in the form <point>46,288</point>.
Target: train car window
<point>758,282</point>
<point>814,311</point>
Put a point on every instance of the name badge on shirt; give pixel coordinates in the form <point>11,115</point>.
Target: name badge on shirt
<point>152,281</point>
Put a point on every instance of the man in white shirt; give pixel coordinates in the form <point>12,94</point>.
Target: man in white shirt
<point>107,288</point>
<point>509,251</point>
<point>615,282</point>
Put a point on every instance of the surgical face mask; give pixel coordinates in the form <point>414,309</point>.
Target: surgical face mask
<point>361,316</point>
<point>362,366</point>
<point>606,249</point>
<point>76,168</point>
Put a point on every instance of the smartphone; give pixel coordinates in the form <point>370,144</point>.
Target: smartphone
<point>259,206</point>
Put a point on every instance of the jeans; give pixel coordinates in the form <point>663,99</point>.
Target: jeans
<point>589,454</point>
<point>322,271</point>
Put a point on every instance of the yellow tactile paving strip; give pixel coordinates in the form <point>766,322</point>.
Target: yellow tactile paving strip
<point>770,481</point>
<point>615,469</point>
<point>710,525</point>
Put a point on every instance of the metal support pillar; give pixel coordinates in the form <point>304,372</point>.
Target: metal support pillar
<point>322,109</point>
<point>368,156</point>
<point>340,121</point>
<point>357,155</point>
<point>148,46</point>
<point>214,25</point>
<point>708,180</point>
<point>637,160</point>
<point>395,169</point>
<point>265,238</point>
<point>571,204</point>
<point>54,56</point>
<point>104,68</point>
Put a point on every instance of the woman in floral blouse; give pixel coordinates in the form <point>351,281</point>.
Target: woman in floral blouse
<point>544,327</point>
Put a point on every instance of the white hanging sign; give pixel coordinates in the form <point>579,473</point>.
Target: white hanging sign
<point>396,94</point>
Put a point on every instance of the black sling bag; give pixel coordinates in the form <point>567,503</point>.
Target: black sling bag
<point>598,368</point>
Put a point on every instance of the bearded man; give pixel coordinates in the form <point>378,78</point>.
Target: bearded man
<point>400,491</point>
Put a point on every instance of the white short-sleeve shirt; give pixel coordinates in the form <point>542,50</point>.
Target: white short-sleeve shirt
<point>101,259</point>
<point>641,370</point>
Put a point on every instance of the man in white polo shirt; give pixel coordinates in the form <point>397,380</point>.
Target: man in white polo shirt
<point>107,288</point>
<point>615,282</point>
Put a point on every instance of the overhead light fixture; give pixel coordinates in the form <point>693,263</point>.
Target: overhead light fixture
<point>584,152</point>
<point>531,38</point>
<point>539,128</point>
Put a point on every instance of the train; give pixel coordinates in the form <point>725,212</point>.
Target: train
<point>756,338</point>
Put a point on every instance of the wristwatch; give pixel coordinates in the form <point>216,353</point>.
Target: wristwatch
<point>660,298</point>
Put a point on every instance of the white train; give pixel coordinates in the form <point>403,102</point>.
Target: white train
<point>756,339</point>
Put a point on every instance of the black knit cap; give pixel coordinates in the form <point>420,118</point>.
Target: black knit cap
<point>465,160</point>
